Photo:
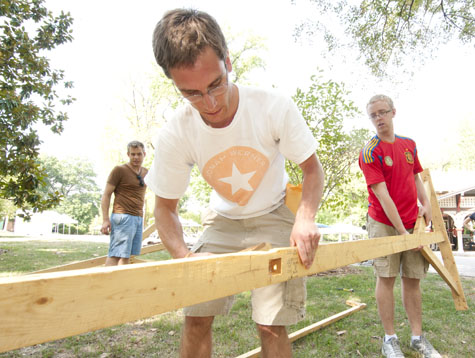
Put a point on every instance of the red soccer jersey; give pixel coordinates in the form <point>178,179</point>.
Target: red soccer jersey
<point>396,164</point>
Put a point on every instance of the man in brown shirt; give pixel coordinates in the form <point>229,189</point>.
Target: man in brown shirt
<point>125,225</point>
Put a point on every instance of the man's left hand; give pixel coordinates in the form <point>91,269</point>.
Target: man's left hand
<point>426,212</point>
<point>305,236</point>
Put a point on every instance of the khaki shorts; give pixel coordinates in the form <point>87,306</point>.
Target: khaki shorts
<point>410,264</point>
<point>280,304</point>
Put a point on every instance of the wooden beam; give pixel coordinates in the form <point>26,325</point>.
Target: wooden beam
<point>327,321</point>
<point>433,260</point>
<point>440,268</point>
<point>312,328</point>
<point>448,271</point>
<point>97,261</point>
<point>94,262</point>
<point>149,230</point>
<point>152,248</point>
<point>44,307</point>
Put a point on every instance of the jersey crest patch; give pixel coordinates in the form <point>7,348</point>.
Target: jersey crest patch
<point>388,160</point>
<point>236,173</point>
<point>409,157</point>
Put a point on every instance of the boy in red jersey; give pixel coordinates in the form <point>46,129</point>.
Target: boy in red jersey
<point>391,168</point>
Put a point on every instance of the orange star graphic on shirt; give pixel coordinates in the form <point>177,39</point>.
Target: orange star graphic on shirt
<point>236,173</point>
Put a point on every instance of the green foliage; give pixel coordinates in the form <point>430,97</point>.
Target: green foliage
<point>325,106</point>
<point>148,108</point>
<point>28,96</point>
<point>388,31</point>
<point>352,200</point>
<point>74,181</point>
<point>244,52</point>
<point>459,151</point>
<point>7,208</point>
<point>199,188</point>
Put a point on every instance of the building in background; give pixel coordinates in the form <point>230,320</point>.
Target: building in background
<point>45,223</point>
<point>456,196</point>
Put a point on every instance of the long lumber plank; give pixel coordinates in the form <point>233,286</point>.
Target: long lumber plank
<point>148,231</point>
<point>440,268</point>
<point>433,260</point>
<point>97,261</point>
<point>44,307</point>
<point>309,329</point>
<point>445,246</point>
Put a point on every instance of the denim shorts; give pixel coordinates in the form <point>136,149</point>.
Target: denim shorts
<point>280,304</point>
<point>126,235</point>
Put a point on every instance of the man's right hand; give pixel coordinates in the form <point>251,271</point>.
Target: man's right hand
<point>106,227</point>
<point>196,254</point>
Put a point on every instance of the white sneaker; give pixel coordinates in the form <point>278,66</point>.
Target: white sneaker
<point>391,349</point>
<point>424,347</point>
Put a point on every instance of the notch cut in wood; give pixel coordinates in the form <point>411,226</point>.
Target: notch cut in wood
<point>275,266</point>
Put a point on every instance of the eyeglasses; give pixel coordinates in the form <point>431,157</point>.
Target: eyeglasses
<point>140,180</point>
<point>378,114</point>
<point>212,92</point>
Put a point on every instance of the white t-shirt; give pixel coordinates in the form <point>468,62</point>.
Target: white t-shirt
<point>243,162</point>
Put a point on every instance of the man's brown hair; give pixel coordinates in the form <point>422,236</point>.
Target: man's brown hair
<point>135,144</point>
<point>182,35</point>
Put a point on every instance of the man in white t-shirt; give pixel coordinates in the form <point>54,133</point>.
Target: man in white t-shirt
<point>239,138</point>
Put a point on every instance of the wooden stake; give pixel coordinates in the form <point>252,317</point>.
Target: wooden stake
<point>312,328</point>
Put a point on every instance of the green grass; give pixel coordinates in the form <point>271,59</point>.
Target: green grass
<point>27,256</point>
<point>17,258</point>
<point>452,332</point>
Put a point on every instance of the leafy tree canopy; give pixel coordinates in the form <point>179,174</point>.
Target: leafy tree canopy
<point>390,31</point>
<point>244,50</point>
<point>456,152</point>
<point>325,107</point>
<point>74,180</point>
<point>28,96</point>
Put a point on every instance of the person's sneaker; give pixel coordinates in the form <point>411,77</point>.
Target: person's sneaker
<point>424,347</point>
<point>391,349</point>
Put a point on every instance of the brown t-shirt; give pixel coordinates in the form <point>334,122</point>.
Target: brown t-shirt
<point>128,194</point>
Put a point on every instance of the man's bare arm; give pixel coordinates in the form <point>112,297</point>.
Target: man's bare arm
<point>305,234</point>
<point>169,227</point>
<point>387,203</point>
<point>425,210</point>
<point>105,205</point>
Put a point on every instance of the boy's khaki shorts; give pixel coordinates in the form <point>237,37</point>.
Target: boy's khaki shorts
<point>410,264</point>
<point>280,304</point>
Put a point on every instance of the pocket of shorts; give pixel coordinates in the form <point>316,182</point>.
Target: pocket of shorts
<point>426,266</point>
<point>198,245</point>
<point>117,218</point>
<point>208,217</point>
<point>381,262</point>
<point>296,293</point>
